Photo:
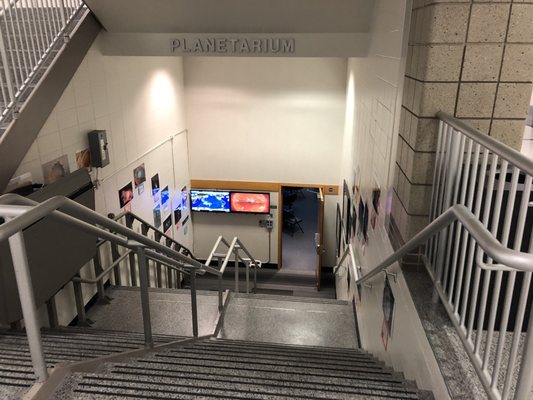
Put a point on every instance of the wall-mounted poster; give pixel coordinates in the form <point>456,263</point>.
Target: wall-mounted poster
<point>338,230</point>
<point>125,196</point>
<point>157,216</point>
<point>177,217</point>
<point>56,169</point>
<point>185,227</point>
<point>83,158</point>
<point>165,199</point>
<point>376,194</point>
<point>184,198</point>
<point>155,187</point>
<point>139,175</point>
<point>167,223</point>
<point>388,313</point>
<point>354,221</point>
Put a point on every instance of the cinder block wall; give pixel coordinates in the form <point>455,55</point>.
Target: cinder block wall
<point>474,60</point>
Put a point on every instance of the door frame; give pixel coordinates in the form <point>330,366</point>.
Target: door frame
<point>324,189</point>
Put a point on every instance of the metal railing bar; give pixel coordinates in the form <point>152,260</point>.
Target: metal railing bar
<point>506,228</point>
<point>33,214</point>
<point>458,229</point>
<point>153,228</point>
<point>509,257</point>
<point>516,158</point>
<point>465,270</point>
<point>483,376</point>
<point>104,272</point>
<point>473,248</point>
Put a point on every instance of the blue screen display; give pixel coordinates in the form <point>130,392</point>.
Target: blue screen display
<point>210,200</point>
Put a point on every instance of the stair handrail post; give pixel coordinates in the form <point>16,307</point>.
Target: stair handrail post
<point>27,301</point>
<point>114,256</point>
<point>448,194</point>
<point>194,305</point>
<point>7,71</point>
<point>220,302</point>
<point>133,272</point>
<point>236,252</point>
<point>525,378</point>
<point>62,12</point>
<point>145,299</point>
<point>80,304</point>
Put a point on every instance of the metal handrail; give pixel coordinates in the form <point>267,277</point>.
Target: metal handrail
<point>107,270</point>
<point>32,43</point>
<point>21,213</point>
<point>224,258</point>
<point>495,146</point>
<point>154,229</point>
<point>18,217</point>
<point>511,258</point>
<point>30,212</point>
<point>515,259</point>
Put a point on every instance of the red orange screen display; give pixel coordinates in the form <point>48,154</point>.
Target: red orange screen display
<point>250,202</point>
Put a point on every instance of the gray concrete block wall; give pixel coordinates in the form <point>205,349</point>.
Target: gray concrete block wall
<point>474,60</point>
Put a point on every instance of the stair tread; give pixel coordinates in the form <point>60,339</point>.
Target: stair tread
<point>120,382</point>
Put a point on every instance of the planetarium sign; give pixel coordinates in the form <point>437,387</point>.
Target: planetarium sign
<point>243,46</point>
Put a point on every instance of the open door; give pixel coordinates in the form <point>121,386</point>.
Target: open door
<point>319,237</point>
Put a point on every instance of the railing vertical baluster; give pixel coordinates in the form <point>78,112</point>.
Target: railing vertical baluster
<point>133,269</point>
<point>116,271</point>
<point>456,227</point>
<point>236,252</point>
<point>33,51</point>
<point>525,378</point>
<point>51,311</point>
<point>145,299</point>
<point>451,167</point>
<point>97,265</point>
<point>255,277</point>
<point>511,276</point>
<point>499,274</point>
<point>18,34</point>
<point>220,303</point>
<point>80,303</point>
<point>465,270</point>
<point>62,12</point>
<point>472,250</point>
<point>436,172</point>
<point>170,274</point>
<point>5,62</point>
<point>247,266</point>
<point>159,278</point>
<point>27,302</point>
<point>194,306</point>
<point>13,48</point>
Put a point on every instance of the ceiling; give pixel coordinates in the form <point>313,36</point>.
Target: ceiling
<point>233,16</point>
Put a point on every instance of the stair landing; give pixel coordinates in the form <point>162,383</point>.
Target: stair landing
<point>170,311</point>
<point>289,320</point>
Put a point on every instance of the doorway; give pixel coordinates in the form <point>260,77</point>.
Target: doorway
<point>302,216</point>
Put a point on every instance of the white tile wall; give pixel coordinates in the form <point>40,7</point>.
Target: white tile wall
<point>139,102</point>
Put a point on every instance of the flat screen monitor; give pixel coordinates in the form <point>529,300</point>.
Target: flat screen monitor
<point>253,203</point>
<point>210,200</point>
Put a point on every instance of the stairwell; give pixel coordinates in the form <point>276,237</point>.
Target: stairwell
<point>37,85</point>
<point>259,347</point>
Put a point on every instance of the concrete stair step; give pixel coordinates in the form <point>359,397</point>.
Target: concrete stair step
<point>321,352</point>
<point>167,387</point>
<point>280,356</point>
<point>172,363</point>
<point>285,380</point>
<point>289,298</point>
<point>287,362</point>
<point>313,350</point>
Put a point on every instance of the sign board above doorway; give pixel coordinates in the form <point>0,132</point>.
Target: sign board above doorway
<point>236,45</point>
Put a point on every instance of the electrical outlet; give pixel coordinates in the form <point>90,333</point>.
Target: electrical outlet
<point>269,223</point>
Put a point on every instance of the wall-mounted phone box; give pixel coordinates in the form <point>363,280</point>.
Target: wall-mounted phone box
<point>98,148</point>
